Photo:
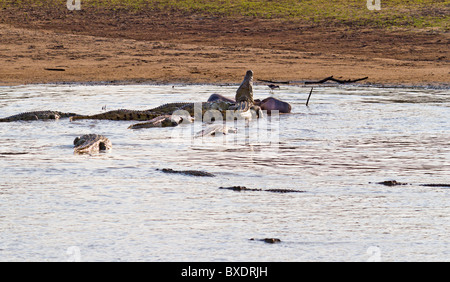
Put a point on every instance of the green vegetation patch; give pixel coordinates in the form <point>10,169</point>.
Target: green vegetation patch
<point>393,13</point>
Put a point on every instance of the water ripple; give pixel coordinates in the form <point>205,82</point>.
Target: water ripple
<point>109,205</point>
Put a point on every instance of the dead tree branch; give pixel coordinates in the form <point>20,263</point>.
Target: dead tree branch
<point>336,80</point>
<point>309,96</point>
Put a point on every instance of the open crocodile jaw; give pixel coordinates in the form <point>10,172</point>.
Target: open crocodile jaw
<point>245,90</point>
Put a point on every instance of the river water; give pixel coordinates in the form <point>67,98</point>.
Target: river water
<point>118,206</point>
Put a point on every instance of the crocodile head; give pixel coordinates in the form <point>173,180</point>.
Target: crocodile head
<point>91,143</point>
<point>245,90</point>
<point>220,105</point>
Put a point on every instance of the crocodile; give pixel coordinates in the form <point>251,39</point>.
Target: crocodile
<point>244,106</point>
<point>163,121</point>
<point>38,115</point>
<point>275,190</point>
<point>267,240</point>
<point>244,103</point>
<point>244,94</point>
<point>396,183</point>
<point>187,172</point>
<point>192,109</point>
<point>91,143</point>
<point>121,114</point>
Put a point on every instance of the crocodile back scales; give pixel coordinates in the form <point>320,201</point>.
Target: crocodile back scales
<point>37,115</point>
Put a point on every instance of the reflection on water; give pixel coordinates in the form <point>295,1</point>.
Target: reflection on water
<point>118,207</point>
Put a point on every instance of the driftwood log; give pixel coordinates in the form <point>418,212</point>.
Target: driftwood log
<point>330,78</point>
<point>341,81</point>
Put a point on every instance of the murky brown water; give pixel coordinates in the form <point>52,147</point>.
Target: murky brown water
<point>117,206</point>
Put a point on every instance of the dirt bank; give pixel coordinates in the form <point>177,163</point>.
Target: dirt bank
<point>42,46</point>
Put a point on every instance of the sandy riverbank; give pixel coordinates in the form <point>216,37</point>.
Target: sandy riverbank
<point>177,48</point>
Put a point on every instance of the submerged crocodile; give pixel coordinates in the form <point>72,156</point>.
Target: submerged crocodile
<point>187,172</point>
<point>243,188</point>
<point>91,143</point>
<point>38,115</point>
<point>396,183</point>
<point>267,240</point>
